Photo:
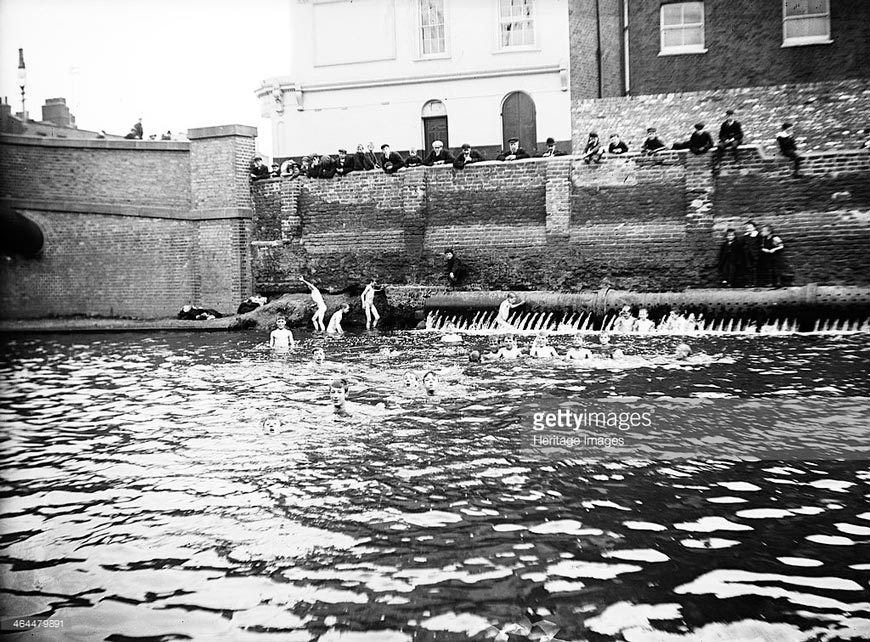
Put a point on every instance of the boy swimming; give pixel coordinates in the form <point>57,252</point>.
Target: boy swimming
<point>334,326</point>
<point>318,356</point>
<point>281,339</point>
<point>430,383</point>
<point>625,321</point>
<point>541,348</point>
<point>643,324</point>
<point>578,351</point>
<point>317,317</point>
<point>509,350</point>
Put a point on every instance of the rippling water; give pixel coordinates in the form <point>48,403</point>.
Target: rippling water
<point>144,498</point>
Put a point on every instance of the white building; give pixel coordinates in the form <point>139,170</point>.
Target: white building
<point>407,72</point>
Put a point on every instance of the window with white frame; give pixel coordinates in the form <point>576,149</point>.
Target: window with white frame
<point>433,39</point>
<point>516,23</point>
<point>806,22</point>
<point>682,28</point>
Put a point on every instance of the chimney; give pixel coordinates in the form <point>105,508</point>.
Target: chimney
<point>5,117</point>
<point>56,112</point>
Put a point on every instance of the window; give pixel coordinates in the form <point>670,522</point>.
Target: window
<point>806,22</point>
<point>682,28</point>
<point>432,28</point>
<point>516,23</point>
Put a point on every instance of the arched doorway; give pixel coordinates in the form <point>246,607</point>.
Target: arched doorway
<point>519,119</point>
<point>434,124</point>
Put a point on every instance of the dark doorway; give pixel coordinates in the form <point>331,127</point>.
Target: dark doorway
<point>435,128</point>
<point>434,115</point>
<point>519,119</point>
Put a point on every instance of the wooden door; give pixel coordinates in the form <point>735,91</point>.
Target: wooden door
<point>519,119</point>
<point>435,128</point>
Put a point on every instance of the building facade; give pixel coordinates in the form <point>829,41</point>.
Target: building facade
<point>637,47</point>
<point>407,72</point>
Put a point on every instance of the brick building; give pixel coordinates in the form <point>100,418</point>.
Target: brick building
<point>636,47</point>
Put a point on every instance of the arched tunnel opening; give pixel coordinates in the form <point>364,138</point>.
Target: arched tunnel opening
<point>19,236</point>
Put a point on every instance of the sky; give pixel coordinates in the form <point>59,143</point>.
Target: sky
<point>177,64</point>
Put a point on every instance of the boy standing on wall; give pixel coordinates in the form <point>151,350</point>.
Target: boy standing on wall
<point>317,317</point>
<point>729,259</point>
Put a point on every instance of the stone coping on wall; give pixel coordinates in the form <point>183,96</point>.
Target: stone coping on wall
<point>118,209</point>
<point>220,131</point>
<point>144,145</point>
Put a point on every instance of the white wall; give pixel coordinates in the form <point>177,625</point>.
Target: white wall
<point>379,97</point>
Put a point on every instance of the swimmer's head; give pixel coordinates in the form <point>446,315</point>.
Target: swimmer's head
<point>281,322</point>
<point>578,340</point>
<point>512,297</point>
<point>409,379</point>
<point>539,341</point>
<point>318,355</point>
<point>338,392</point>
<point>450,325</point>
<point>430,382</point>
<point>493,342</point>
<point>474,356</point>
<point>626,311</point>
<point>618,354</point>
<point>604,338</point>
<point>271,424</point>
<point>683,351</point>
<point>643,313</point>
<point>510,343</point>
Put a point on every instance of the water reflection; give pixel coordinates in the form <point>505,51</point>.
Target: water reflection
<point>143,497</point>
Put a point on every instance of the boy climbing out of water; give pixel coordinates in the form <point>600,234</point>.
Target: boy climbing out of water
<point>504,311</point>
<point>317,317</point>
<point>334,326</point>
<point>281,338</point>
<point>368,304</point>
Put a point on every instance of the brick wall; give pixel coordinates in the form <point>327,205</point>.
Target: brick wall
<point>592,22</point>
<point>631,222</point>
<point>827,115</point>
<point>744,41</point>
<point>132,228</point>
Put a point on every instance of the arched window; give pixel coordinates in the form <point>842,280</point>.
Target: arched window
<point>519,119</point>
<point>434,116</point>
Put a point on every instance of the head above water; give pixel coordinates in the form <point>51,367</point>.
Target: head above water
<point>604,338</point>
<point>318,355</point>
<point>409,379</point>
<point>281,322</point>
<point>683,351</point>
<point>430,382</point>
<point>578,340</point>
<point>338,391</point>
<point>643,313</point>
<point>474,356</point>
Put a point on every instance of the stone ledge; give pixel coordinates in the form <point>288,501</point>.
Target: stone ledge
<point>221,131</point>
<point>119,209</point>
<point>144,145</point>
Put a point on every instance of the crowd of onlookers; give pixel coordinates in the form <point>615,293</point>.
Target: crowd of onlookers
<point>367,159</point>
<point>752,260</point>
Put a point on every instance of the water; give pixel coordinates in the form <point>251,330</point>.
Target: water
<point>143,498</point>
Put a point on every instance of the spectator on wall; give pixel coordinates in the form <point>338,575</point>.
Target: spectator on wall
<point>290,168</point>
<point>305,165</point>
<point>276,171</point>
<point>314,165</point>
<point>453,268</point>
<point>771,263</point>
<point>327,166</point>
<point>551,149</point>
<point>616,146</point>
<point>438,155</point>
<point>730,137</point>
<point>391,160</point>
<point>652,143</point>
<point>361,162</point>
<point>258,170</point>
<point>750,252</point>
<point>594,150</point>
<point>166,136</point>
<point>788,147</point>
<point>137,129</point>
<point>513,152</point>
<point>730,259</point>
<point>344,163</point>
<point>376,162</point>
<point>699,142</point>
<point>413,159</point>
<point>467,156</point>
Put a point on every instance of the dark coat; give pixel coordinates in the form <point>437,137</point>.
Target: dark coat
<point>462,160</point>
<point>731,130</point>
<point>393,163</point>
<point>520,154</point>
<point>361,162</point>
<point>344,167</point>
<point>444,157</point>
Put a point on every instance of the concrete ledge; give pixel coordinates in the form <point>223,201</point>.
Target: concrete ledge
<point>80,324</point>
<point>144,145</point>
<point>220,131</point>
<point>121,209</point>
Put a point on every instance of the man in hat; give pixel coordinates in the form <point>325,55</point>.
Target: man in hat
<point>361,162</point>
<point>438,155</point>
<point>276,170</point>
<point>551,149</point>
<point>730,137</point>
<point>616,145</point>
<point>699,142</point>
<point>343,164</point>
<point>514,151</point>
<point>391,160</point>
<point>788,147</point>
<point>454,268</point>
<point>652,144</point>
<point>258,170</point>
<point>467,156</point>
